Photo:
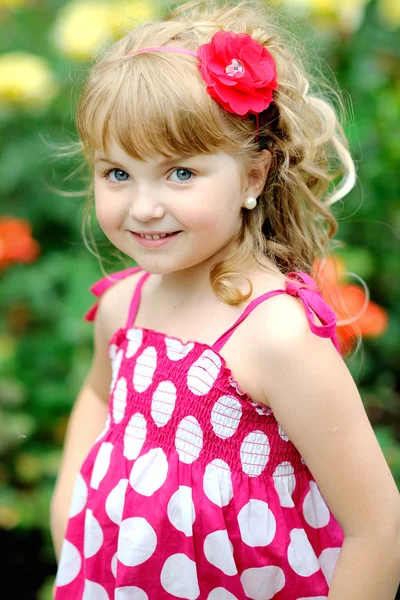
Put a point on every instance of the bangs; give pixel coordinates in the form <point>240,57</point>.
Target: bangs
<point>151,104</point>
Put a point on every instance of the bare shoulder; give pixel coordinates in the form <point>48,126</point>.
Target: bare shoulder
<point>283,337</point>
<point>282,316</point>
<point>279,315</point>
<point>114,303</point>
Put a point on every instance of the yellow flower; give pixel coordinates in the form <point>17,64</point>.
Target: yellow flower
<point>347,13</point>
<point>128,14</point>
<point>336,6</point>
<point>82,28</point>
<point>12,3</point>
<point>323,5</point>
<point>389,11</point>
<point>26,80</point>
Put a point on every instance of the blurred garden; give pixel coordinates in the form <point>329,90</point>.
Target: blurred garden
<point>45,345</point>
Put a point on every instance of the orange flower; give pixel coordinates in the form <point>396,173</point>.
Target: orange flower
<point>16,242</point>
<point>348,300</point>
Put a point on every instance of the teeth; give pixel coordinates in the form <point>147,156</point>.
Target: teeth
<point>153,237</point>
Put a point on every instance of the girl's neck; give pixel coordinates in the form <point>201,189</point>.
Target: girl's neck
<point>192,285</point>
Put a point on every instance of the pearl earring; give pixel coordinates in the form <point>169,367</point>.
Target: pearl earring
<point>250,202</point>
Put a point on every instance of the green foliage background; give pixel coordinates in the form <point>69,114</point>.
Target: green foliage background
<point>45,346</point>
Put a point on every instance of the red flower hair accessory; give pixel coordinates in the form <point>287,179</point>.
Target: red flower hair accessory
<point>239,72</point>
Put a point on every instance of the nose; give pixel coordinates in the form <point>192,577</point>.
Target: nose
<point>145,204</point>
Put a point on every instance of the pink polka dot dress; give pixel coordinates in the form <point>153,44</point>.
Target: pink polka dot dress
<point>193,490</point>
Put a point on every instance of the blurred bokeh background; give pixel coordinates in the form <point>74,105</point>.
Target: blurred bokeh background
<point>45,345</point>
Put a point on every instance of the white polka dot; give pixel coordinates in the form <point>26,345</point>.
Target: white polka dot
<point>285,482</point>
<point>135,436</point>
<point>93,535</point>
<point>219,552</point>
<point>135,338</point>
<point>328,559</point>
<point>163,403</point>
<point>101,464</point>
<point>70,564</point>
<point>119,400</point>
<point>225,416</point>
<point>149,472</point>
<point>145,367</point>
<point>282,434</point>
<point>79,497</point>
<point>217,482</point>
<point>115,501</point>
<point>130,592</point>
<point>116,360</point>
<point>314,598</point>
<point>137,541</point>
<point>284,469</point>
<point>262,583</point>
<point>179,577</point>
<point>220,594</point>
<point>94,591</point>
<point>181,511</point>
<point>254,453</point>
<point>315,511</point>
<point>189,439</point>
<point>176,350</point>
<point>301,555</point>
<point>203,373</point>
<point>114,561</point>
<point>112,351</point>
<point>106,428</point>
<point>257,523</point>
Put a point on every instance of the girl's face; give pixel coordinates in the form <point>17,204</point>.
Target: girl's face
<point>198,196</point>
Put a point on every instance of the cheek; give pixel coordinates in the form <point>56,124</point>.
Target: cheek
<point>107,213</point>
<point>102,212</point>
<point>220,207</point>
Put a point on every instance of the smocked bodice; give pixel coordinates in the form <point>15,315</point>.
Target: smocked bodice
<point>182,397</point>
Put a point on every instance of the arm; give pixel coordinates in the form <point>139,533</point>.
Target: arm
<point>316,402</point>
<point>85,424</point>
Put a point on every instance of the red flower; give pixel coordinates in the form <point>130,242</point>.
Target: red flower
<point>16,242</point>
<point>239,72</point>
<point>347,300</point>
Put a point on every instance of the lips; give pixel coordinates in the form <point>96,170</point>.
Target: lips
<point>150,242</point>
<point>162,233</point>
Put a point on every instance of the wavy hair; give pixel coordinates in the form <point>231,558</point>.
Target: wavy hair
<point>145,103</point>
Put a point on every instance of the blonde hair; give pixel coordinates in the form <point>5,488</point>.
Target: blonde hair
<point>149,107</point>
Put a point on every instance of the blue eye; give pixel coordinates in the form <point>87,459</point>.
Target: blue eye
<point>183,172</point>
<point>117,173</point>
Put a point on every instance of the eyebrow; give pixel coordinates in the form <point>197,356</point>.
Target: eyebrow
<point>162,163</point>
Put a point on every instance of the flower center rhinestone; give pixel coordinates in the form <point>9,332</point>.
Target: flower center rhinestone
<point>235,68</point>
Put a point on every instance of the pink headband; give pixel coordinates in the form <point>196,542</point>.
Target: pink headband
<point>239,72</point>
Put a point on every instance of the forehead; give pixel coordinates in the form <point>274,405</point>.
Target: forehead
<point>115,153</point>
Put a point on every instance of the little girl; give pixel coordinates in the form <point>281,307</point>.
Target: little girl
<point>237,460</point>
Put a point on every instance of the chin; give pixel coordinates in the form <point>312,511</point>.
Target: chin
<point>159,267</point>
<point>155,268</point>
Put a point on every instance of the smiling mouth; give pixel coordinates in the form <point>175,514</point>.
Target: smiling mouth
<point>155,236</point>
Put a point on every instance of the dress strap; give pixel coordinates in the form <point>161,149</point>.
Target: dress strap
<point>307,290</point>
<point>103,284</point>
<point>136,301</point>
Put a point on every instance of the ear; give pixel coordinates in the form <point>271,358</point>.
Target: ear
<point>257,177</point>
